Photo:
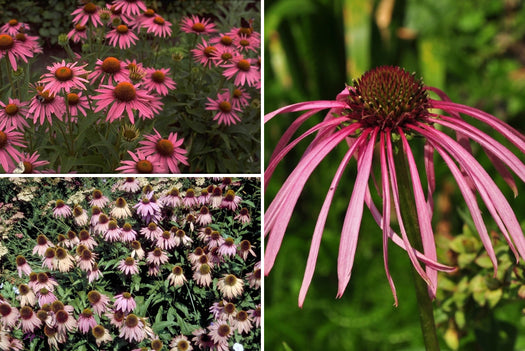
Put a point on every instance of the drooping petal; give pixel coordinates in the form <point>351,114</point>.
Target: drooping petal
<point>301,106</point>
<point>431,175</point>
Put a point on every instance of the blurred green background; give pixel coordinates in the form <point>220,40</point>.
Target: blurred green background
<point>475,52</point>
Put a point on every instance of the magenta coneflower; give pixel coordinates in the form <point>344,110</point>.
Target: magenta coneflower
<point>86,321</point>
<point>124,302</point>
<point>128,266</point>
<point>9,138</point>
<point>180,343</point>
<point>158,26</point>
<point>22,266</point>
<point>167,151</point>
<point>132,329</point>
<point>64,76</point>
<point>28,320</point>
<point>158,80</point>
<point>226,111</point>
<point>88,12</point>
<point>30,42</point>
<point>240,97</point>
<point>98,301</point>
<point>196,25</point>
<point>124,97</point>
<point>30,162</point>
<point>13,27</point>
<point>8,315</point>
<point>45,105</point>
<point>77,103</point>
<point>244,42</point>
<point>14,114</point>
<point>244,70</point>
<point>130,8</point>
<point>61,209</point>
<point>157,257</point>
<point>222,41</point>
<point>381,107</point>
<point>243,216</point>
<point>230,286</point>
<point>140,163</point>
<point>14,49</point>
<point>122,37</point>
<point>148,209</point>
<point>111,68</point>
<point>176,277</point>
<point>230,200</point>
<point>222,55</point>
<point>203,53</point>
<point>78,33</point>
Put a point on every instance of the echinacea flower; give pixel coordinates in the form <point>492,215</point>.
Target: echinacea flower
<point>157,257</point>
<point>128,266</point>
<point>381,108</point>
<point>65,321</point>
<point>45,105</point>
<point>88,12</point>
<point>148,208</point>
<point>242,322</point>
<point>84,238</point>
<point>244,42</point>
<point>45,281</point>
<point>167,151</point>
<point>130,185</point>
<point>180,343</point>
<point>203,53</point>
<point>245,248</point>
<point>230,286</point>
<point>222,55</point>
<point>159,81</point>
<point>30,163</point>
<point>240,97</point>
<point>181,238</point>
<point>42,243</point>
<point>64,262</point>
<point>64,76</point>
<point>14,26</point>
<point>101,334</point>
<point>137,251</point>
<point>61,209</point>
<point>244,71</point>
<point>78,33</point>
<point>77,103</point>
<point>202,339</point>
<point>9,138</point>
<point>99,302</point>
<point>152,231</point>
<point>228,248</point>
<point>125,302</point>
<point>8,315</point>
<point>254,278</point>
<point>111,68</point>
<point>22,266</point>
<point>140,163</point>
<point>27,296</point>
<point>13,114</point>
<point>129,7</point>
<point>196,25</point>
<point>28,320</point>
<point>204,216</point>
<point>86,260</point>
<point>176,277</point>
<point>121,209</point>
<point>226,111</point>
<point>202,275</point>
<point>231,200</point>
<point>132,329</point>
<point>14,49</point>
<point>220,332</point>
<point>172,198</point>
<point>166,241</point>
<point>122,37</point>
<point>158,26</point>
<point>86,321</point>
<point>80,216</point>
<point>243,216</point>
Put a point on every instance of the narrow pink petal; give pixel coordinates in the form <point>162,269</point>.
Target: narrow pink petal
<point>321,219</point>
<point>423,215</point>
<point>319,104</point>
<point>354,214</point>
<point>431,175</point>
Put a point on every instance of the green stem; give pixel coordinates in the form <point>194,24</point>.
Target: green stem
<point>410,221</point>
<point>8,71</point>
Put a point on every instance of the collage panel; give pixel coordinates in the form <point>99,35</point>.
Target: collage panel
<point>130,86</point>
<point>115,263</point>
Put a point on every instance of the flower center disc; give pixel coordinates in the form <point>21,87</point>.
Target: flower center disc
<point>13,22</point>
<point>226,40</point>
<point>158,77</point>
<point>80,28</point>
<point>198,27</point>
<point>111,65</point>
<point>144,166</point>
<point>226,56</point>
<point>11,109</point>
<point>21,37</point>
<point>159,20</point>
<point>230,280</point>
<point>63,74</point>
<point>131,321</point>
<point>223,330</point>
<point>388,96</point>
<point>149,13</point>
<point>165,147</point>
<point>125,91</point>
<point>243,65</point>
<point>6,42</point>
<point>90,8</point>
<point>73,99</point>
<point>122,29</point>
<point>225,106</point>
<point>209,50</point>
<point>244,42</point>
<point>98,331</point>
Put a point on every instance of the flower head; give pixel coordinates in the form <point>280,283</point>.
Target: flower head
<point>14,114</point>
<point>244,71</point>
<point>64,76</point>
<point>88,12</point>
<point>380,110</point>
<point>226,110</point>
<point>122,37</point>
<point>14,49</point>
<point>196,25</point>
<point>167,151</point>
<point>159,81</point>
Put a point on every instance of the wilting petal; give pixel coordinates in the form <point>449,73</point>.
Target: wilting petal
<point>319,105</point>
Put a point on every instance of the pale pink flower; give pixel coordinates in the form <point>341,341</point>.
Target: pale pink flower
<point>181,238</point>
<point>112,234</point>
<point>88,12</point>
<point>196,254</point>
<point>166,241</point>
<point>242,322</point>
<point>86,260</point>
<point>226,111</point>
<point>180,343</point>
<point>196,25</point>
<point>84,238</point>
<point>116,317</point>
<point>65,321</point>
<point>141,163</point>
<point>99,302</point>
<point>176,277</point>
<point>95,215</point>
<point>8,315</point>
<point>244,70</point>
<point>202,339</point>
<point>127,233</point>
<point>245,248</point>
<point>27,296</point>
<point>64,76</point>
<point>202,275</point>
<point>102,225</point>
<point>167,151</point>
<point>148,208</point>
<point>137,250</point>
<point>228,248</point>
<point>215,239</point>
<point>45,281</point>
<point>157,257</point>
<point>204,216</point>
<point>171,199</point>
<point>45,296</point>
<point>42,243</point>
<point>243,216</point>
<point>86,321</point>
<point>130,185</point>
<point>49,258</point>
<point>230,286</point>
<point>28,320</point>
<point>132,329</point>
<point>22,266</point>
<point>124,302</point>
<point>101,335</point>
<point>111,68</point>
<point>204,197</point>
<point>128,266</point>
<point>80,216</point>
<point>159,81</point>
<point>61,209</point>
<point>98,199</point>
<point>64,262</point>
<point>9,155</point>
<point>220,332</point>
<point>254,278</point>
<point>122,37</point>
<point>190,200</point>
<point>13,114</point>
<point>151,232</point>
<point>216,197</point>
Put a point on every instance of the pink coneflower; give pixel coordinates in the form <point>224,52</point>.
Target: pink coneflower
<point>199,261</point>
<point>243,216</point>
<point>151,232</point>
<point>45,296</point>
<point>244,42</point>
<point>80,216</point>
<point>45,105</point>
<point>130,8</point>
<point>196,254</point>
<point>99,302</point>
<point>204,216</point>
<point>8,315</point>
<point>30,163</point>
<point>9,138</point>
<point>166,241</point>
<point>86,239</point>
<point>128,266</point>
<point>361,114</point>
<point>14,49</point>
<point>61,209</point>
<point>30,42</point>
<point>167,151</point>
<point>180,343</point>
<point>122,37</point>
<point>216,197</point>
<point>242,322</point>
<point>196,25</point>
<point>132,329</point>
<point>176,277</point>
<point>13,27</point>
<point>230,200</point>
<point>49,258</point>
<point>148,209</point>
<point>111,68</point>
<point>203,53</point>
<point>244,70</point>
<point>64,262</point>
<point>254,278</point>
<point>171,199</point>
<point>228,248</point>
<point>158,80</point>
<point>181,238</point>
<point>220,332</point>
<point>240,97</point>
<point>130,185</point>
<point>157,257</point>
<point>245,248</point>
<point>42,243</point>
<point>121,209</point>
<point>95,215</point>
<point>190,200</point>
<point>26,297</point>
<point>44,281</point>
<point>86,260</point>
<point>226,111</point>
<point>22,266</point>
<point>202,275</point>
<point>140,163</point>
<point>222,55</point>
<point>230,286</point>
<point>127,233</point>
<point>64,76</point>
<point>204,197</point>
<point>217,308</point>
<point>116,317</point>
<point>102,225</point>
<point>124,302</point>
<point>28,320</point>
<point>124,97</point>
<point>215,239</point>
<point>78,34</point>
<point>137,250</point>
<point>14,114</point>
<point>77,103</point>
<point>65,321</point>
<point>88,12</point>
<point>98,199</point>
<point>153,270</point>
<point>222,41</point>
<point>158,26</point>
<point>101,335</point>
<point>86,321</point>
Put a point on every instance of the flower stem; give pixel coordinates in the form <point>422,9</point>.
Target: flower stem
<point>410,221</point>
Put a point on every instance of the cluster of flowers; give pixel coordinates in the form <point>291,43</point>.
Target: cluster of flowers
<point>141,231</point>
<point>121,88</point>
